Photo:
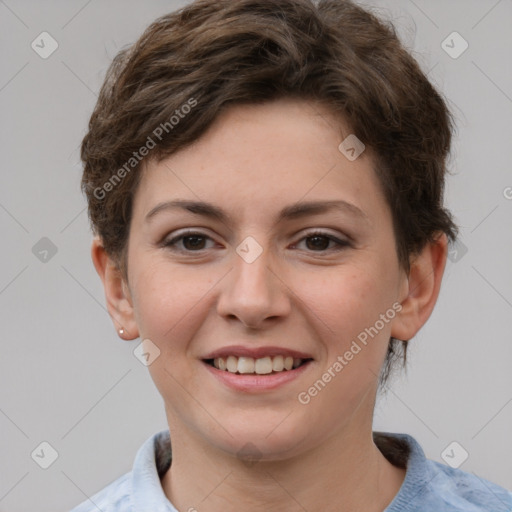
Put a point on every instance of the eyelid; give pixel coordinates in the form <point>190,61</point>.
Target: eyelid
<point>324,232</point>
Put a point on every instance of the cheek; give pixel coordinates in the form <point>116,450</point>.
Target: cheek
<point>346,300</point>
<point>169,300</point>
<point>170,303</point>
<point>347,305</point>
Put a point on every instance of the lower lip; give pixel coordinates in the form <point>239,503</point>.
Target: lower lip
<point>255,383</point>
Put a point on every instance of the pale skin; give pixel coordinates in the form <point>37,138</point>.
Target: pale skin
<point>299,293</point>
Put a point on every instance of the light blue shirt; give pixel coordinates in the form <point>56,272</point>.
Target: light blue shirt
<point>428,486</point>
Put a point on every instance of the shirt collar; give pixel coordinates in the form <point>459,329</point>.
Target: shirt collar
<point>154,458</point>
<point>151,461</point>
<point>419,473</point>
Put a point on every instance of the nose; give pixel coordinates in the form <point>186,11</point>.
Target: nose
<point>253,293</point>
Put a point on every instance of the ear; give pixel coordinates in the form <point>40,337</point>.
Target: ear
<point>117,292</point>
<point>421,288</point>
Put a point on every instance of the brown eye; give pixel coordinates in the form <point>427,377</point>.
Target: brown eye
<point>318,242</point>
<point>193,242</point>
<point>190,242</point>
<point>323,242</point>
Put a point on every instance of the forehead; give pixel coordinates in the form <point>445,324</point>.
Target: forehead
<point>270,154</point>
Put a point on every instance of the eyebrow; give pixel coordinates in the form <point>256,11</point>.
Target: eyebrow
<point>294,211</point>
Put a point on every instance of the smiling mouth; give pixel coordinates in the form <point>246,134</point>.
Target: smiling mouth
<point>261,366</point>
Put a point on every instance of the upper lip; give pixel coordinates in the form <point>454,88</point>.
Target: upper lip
<point>256,352</point>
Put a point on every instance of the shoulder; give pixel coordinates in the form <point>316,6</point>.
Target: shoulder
<point>431,486</point>
<point>140,488</point>
<point>115,497</point>
<point>466,491</point>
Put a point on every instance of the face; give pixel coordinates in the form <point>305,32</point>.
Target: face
<point>293,256</point>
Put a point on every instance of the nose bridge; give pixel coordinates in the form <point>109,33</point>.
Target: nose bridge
<point>252,293</point>
<point>253,276</point>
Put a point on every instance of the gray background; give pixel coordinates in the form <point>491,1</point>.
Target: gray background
<point>66,378</point>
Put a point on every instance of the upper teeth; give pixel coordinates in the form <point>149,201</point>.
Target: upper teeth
<point>260,366</point>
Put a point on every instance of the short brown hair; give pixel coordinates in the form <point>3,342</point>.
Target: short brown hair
<point>213,54</point>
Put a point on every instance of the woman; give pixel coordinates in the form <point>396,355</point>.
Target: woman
<point>265,182</point>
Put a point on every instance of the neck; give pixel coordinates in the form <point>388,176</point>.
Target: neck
<point>346,473</point>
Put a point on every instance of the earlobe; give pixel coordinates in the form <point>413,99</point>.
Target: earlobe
<point>422,288</point>
<point>117,293</point>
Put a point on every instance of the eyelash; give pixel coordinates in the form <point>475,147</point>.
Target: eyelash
<point>171,244</point>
